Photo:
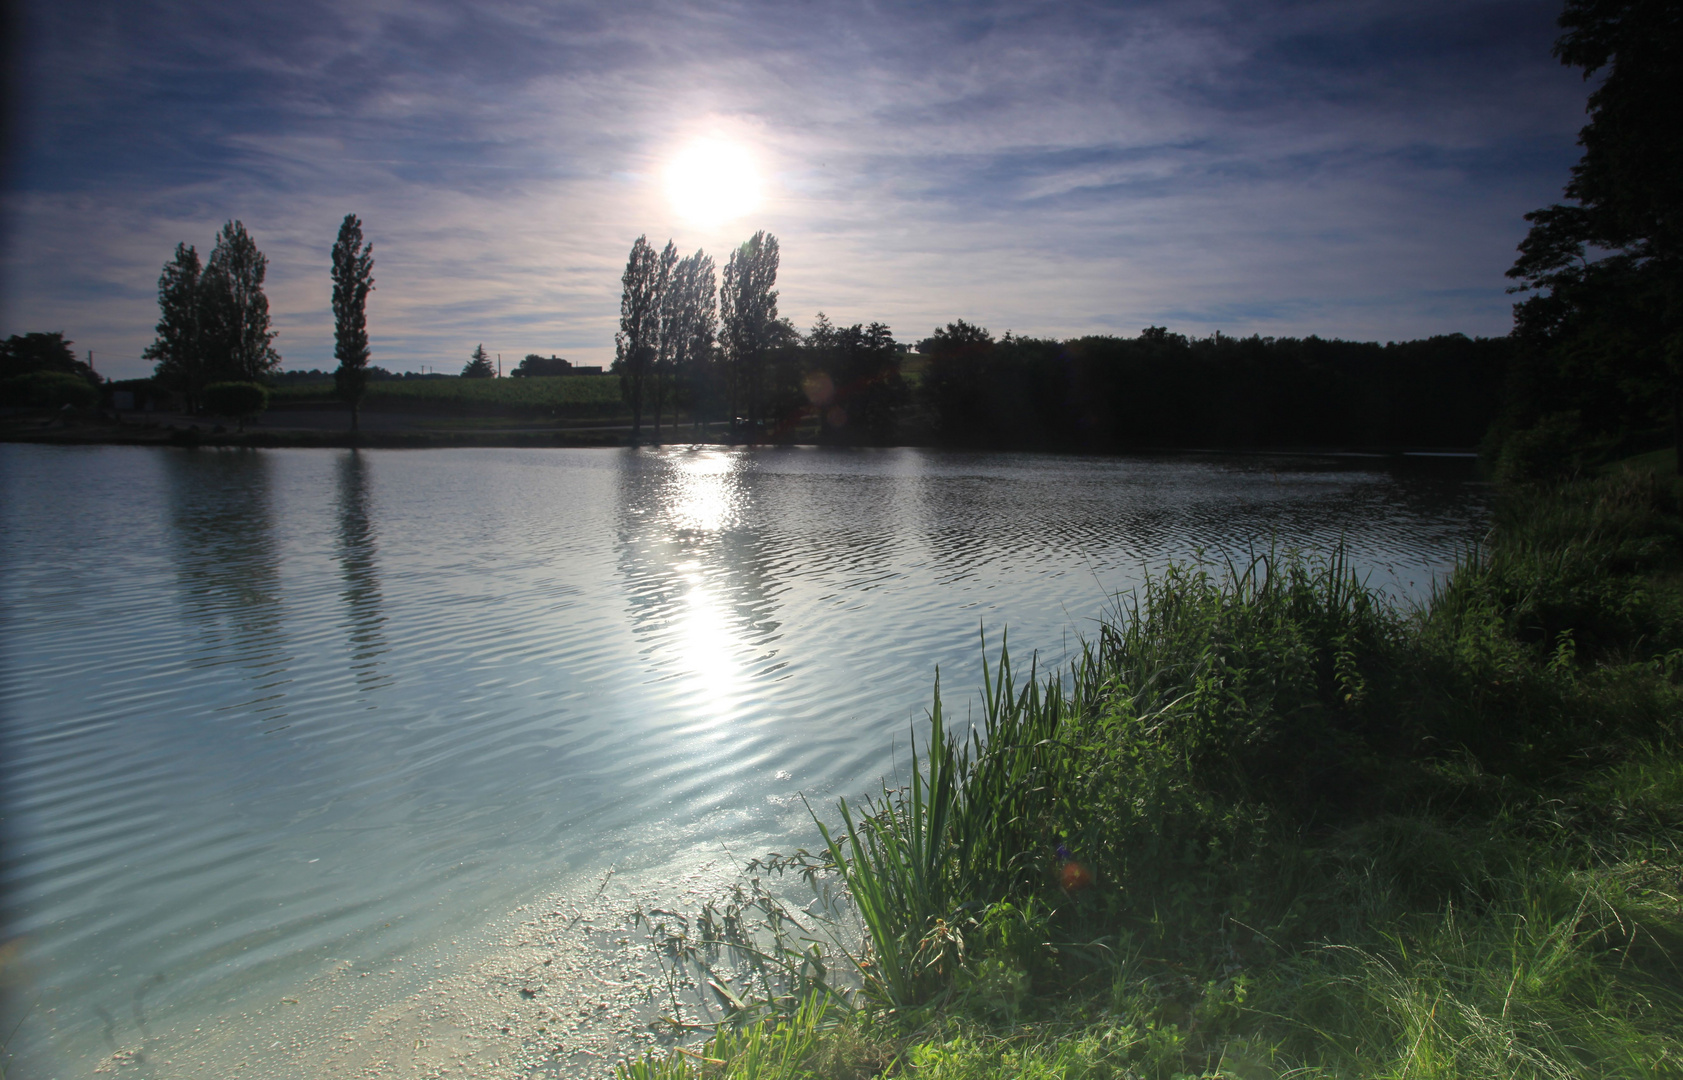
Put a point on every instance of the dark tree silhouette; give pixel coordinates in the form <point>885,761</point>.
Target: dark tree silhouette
<point>748,314</point>
<point>178,352</point>
<point>353,280</point>
<point>1603,334</point>
<point>637,342</point>
<point>24,354</point>
<point>234,312</point>
<point>239,400</point>
<point>665,266</point>
<point>688,324</point>
<point>479,365</point>
<point>854,382</point>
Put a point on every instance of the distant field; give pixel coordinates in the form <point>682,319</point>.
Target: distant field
<point>540,393</point>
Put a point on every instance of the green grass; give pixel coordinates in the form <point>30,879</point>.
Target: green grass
<point>524,394</point>
<point>1326,836</point>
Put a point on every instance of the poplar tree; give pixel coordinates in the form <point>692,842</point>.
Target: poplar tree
<point>234,313</point>
<point>178,350</point>
<point>748,312</point>
<point>639,327</point>
<point>689,323</point>
<point>663,298</point>
<point>353,280</point>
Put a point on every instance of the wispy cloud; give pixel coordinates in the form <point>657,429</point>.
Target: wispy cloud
<point>1293,167</point>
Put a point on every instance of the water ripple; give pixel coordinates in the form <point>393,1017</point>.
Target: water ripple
<point>271,705</point>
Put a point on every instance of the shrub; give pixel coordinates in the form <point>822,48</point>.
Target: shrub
<point>239,400</point>
<point>1551,450</point>
<point>48,390</point>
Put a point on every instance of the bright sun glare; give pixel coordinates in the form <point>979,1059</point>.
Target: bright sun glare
<point>712,181</point>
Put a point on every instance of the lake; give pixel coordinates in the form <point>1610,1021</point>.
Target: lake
<point>294,737</point>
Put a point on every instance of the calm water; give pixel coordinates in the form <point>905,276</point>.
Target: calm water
<point>266,707</point>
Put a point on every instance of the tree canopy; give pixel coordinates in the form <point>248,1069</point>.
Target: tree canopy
<point>749,322</point>
<point>637,343</point>
<point>236,310</point>
<point>213,320</point>
<point>23,354</point>
<point>1602,331</point>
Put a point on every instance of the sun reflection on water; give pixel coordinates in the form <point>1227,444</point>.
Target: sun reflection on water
<point>707,490</point>
<point>706,493</point>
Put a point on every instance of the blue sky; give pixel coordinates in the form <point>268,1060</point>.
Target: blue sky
<point>1353,169</point>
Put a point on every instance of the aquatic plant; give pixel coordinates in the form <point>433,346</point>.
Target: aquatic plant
<point>1321,833</point>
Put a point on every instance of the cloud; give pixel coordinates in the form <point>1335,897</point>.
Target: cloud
<point>1293,167</point>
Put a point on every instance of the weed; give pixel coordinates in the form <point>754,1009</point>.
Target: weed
<point>1318,834</point>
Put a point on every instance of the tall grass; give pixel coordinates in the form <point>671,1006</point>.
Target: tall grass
<point>1319,835</point>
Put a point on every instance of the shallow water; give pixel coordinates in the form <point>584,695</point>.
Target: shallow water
<point>268,710</point>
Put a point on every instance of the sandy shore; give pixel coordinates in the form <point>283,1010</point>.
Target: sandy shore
<point>565,987</point>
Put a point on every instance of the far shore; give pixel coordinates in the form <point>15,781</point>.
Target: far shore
<point>329,427</point>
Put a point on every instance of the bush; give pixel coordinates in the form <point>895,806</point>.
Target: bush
<point>1272,824</point>
<point>1551,450</point>
<point>48,390</point>
<point>239,400</point>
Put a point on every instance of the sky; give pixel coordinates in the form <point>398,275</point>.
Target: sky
<point>1350,169</point>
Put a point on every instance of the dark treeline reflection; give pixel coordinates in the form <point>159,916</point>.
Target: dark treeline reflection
<point>1166,390</point>
<point>357,566</point>
<point>226,554</point>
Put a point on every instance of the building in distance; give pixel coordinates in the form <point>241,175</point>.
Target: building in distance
<point>535,366</point>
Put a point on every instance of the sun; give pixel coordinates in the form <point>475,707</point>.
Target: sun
<point>711,182</point>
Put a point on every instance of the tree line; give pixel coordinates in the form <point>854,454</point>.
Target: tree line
<point>714,346</point>
<point>214,339</point>
<point>692,344</point>
<point>1162,389</point>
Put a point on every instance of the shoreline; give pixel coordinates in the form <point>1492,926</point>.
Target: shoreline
<point>187,432</point>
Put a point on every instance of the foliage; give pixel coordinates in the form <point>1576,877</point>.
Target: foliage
<point>750,328</point>
<point>178,351</point>
<point>353,280</point>
<point>48,390</point>
<point>689,324</point>
<point>535,366</point>
<point>1602,331</point>
<point>213,321</point>
<point>234,312</point>
<point>479,365</point>
<point>1162,389</point>
<point>1319,834</point>
<point>1550,450</point>
<point>239,400</point>
<point>854,382</point>
<point>22,354</point>
<point>637,344</point>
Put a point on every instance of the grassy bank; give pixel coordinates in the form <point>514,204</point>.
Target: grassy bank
<point>1274,825</point>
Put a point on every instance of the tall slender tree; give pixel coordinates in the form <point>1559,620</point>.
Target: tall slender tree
<point>178,350</point>
<point>353,280</point>
<point>639,327</point>
<point>689,323</point>
<point>748,312</point>
<point>234,310</point>
<point>664,298</point>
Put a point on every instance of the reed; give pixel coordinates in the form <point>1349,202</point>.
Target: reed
<point>1318,834</point>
